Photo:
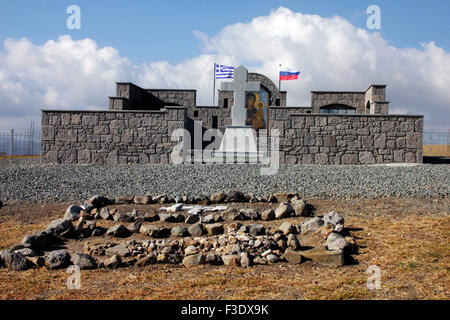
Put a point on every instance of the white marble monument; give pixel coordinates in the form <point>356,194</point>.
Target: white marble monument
<point>239,139</point>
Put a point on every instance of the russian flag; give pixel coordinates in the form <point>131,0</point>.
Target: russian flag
<point>289,74</point>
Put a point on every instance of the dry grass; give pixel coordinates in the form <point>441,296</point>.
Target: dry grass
<point>442,150</point>
<point>408,239</point>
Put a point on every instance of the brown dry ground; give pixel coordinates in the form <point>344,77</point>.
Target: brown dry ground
<point>436,150</point>
<point>408,239</point>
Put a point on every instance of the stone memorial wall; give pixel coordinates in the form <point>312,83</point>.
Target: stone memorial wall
<point>109,137</point>
<point>347,139</point>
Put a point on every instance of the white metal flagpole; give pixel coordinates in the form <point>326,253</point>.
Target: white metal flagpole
<point>279,80</point>
<point>214,87</point>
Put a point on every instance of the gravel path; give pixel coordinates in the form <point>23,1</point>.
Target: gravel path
<point>29,181</point>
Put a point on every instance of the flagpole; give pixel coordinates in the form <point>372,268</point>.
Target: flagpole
<point>214,86</point>
<point>279,80</point>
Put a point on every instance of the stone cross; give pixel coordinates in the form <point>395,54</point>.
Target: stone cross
<point>240,86</point>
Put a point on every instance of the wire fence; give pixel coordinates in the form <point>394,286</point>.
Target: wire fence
<point>20,143</point>
<point>436,144</point>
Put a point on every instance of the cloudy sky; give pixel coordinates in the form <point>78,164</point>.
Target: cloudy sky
<point>45,65</point>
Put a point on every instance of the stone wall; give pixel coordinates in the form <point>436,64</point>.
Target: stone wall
<point>324,98</point>
<point>185,98</point>
<point>109,137</point>
<point>132,97</point>
<point>347,139</point>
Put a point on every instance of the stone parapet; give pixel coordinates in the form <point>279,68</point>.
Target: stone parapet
<point>109,137</point>
<point>348,139</point>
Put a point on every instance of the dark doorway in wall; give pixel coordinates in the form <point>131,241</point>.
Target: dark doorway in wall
<point>368,107</point>
<point>277,102</point>
<point>225,103</point>
<point>195,113</point>
<point>215,122</point>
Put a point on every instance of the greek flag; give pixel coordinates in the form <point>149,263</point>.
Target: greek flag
<point>224,72</point>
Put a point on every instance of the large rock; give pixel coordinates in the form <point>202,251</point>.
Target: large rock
<point>196,230</point>
<point>124,200</point>
<point>292,256</point>
<point>251,214</point>
<point>123,217</point>
<point>235,196</point>
<point>37,240</point>
<point>120,250</point>
<point>218,197</point>
<point>59,227</point>
<point>105,214</point>
<point>335,241</point>
<point>284,197</point>
<point>167,217</point>
<point>245,260</point>
<point>142,200</point>
<point>151,216</point>
<point>312,225</point>
<point>161,199</point>
<point>325,257</point>
<point>73,213</point>
<point>26,252</point>
<point>118,231</point>
<point>287,228</point>
<point>146,260</point>
<point>208,218</point>
<point>178,217</point>
<point>114,262</point>
<point>194,260</point>
<point>333,218</point>
<point>213,229</point>
<point>15,260</point>
<point>293,242</point>
<point>256,229</point>
<point>231,260</point>
<point>135,226</point>
<point>190,250</point>
<point>272,258</point>
<point>150,230</point>
<point>84,261</point>
<point>179,231</point>
<point>58,259</point>
<point>232,215</point>
<point>100,201</point>
<point>37,261</point>
<point>284,210</point>
<point>213,259</point>
<point>268,215</point>
<point>300,208</point>
<point>192,218</point>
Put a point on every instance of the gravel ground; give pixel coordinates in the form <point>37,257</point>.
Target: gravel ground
<point>26,180</point>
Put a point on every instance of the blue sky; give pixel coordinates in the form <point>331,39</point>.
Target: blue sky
<point>149,30</point>
<point>173,44</point>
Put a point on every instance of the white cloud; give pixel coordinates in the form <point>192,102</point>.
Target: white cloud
<point>331,53</point>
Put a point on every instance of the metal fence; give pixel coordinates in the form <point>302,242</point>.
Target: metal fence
<point>436,144</point>
<point>20,143</point>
